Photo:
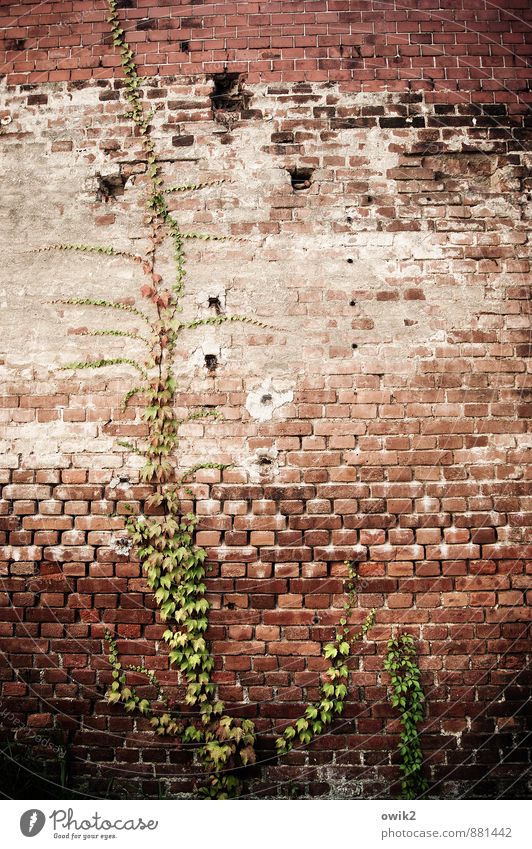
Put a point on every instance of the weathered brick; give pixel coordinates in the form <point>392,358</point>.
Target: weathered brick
<point>399,445</point>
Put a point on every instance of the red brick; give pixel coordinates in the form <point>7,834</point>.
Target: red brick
<point>403,449</point>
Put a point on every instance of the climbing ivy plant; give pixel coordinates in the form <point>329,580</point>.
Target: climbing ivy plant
<point>164,537</point>
<point>408,699</point>
<point>319,715</point>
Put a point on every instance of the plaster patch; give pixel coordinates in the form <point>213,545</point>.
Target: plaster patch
<point>262,401</point>
<point>261,466</point>
<point>122,546</point>
<point>208,348</point>
<point>212,297</point>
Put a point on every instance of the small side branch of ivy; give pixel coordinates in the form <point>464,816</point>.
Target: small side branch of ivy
<point>222,319</point>
<point>408,699</point>
<point>191,187</point>
<point>206,413</point>
<point>113,361</point>
<point>152,678</point>
<point>193,469</point>
<point>131,393</point>
<point>319,715</point>
<point>119,690</point>
<point>98,302</point>
<point>121,333</point>
<point>130,447</point>
<point>211,237</point>
<point>105,250</point>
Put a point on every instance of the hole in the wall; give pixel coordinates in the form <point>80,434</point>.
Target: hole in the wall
<point>265,461</point>
<point>15,44</point>
<point>300,178</point>
<point>214,304</point>
<point>354,346</point>
<point>352,303</point>
<point>349,219</point>
<point>184,46</point>
<point>146,24</point>
<point>126,4</point>
<point>109,187</point>
<point>228,94</point>
<point>350,260</point>
<point>266,399</point>
<point>211,362</point>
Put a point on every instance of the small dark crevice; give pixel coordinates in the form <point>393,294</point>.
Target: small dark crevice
<point>184,46</point>
<point>14,43</point>
<point>228,94</point>
<point>146,24</point>
<point>211,362</point>
<point>266,399</point>
<point>109,188</point>
<point>214,303</point>
<point>300,178</point>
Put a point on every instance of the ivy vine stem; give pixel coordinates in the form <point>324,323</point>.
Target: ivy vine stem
<point>319,715</point>
<point>407,697</point>
<point>163,536</point>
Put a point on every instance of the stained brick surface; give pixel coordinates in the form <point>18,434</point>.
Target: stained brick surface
<point>396,284</point>
<point>474,47</point>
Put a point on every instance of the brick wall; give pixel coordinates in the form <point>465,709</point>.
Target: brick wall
<point>384,418</point>
<point>478,48</point>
